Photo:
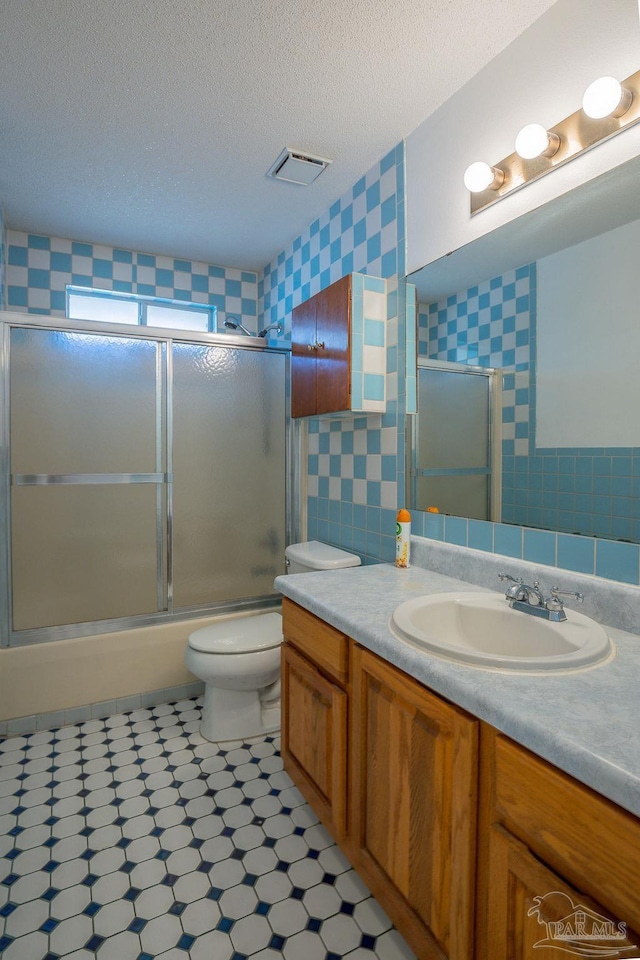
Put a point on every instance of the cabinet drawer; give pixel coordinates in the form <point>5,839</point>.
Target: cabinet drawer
<point>583,836</point>
<point>323,644</point>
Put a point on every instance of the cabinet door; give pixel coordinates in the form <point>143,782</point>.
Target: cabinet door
<point>414,778</point>
<point>314,738</point>
<point>554,816</point>
<point>531,909</point>
<point>333,367</point>
<point>303,359</point>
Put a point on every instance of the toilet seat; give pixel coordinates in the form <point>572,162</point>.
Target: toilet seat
<point>240,635</point>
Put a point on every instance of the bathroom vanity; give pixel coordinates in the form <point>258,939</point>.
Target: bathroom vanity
<point>476,846</point>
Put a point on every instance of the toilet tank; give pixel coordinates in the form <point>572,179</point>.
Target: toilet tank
<point>313,555</point>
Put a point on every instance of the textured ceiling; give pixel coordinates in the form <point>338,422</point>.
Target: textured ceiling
<point>150,124</point>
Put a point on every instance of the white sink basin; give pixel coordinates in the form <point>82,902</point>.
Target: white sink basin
<point>481,629</point>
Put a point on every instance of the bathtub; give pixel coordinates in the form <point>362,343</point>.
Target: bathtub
<point>65,681</point>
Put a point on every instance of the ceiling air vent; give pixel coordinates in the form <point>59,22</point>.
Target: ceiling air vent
<point>296,167</point>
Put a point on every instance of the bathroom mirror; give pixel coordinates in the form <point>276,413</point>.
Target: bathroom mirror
<point>552,301</point>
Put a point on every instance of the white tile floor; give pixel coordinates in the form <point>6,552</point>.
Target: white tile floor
<point>133,838</point>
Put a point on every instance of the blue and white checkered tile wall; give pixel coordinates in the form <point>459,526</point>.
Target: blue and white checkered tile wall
<point>360,232</point>
<point>593,491</point>
<point>352,469</point>
<point>39,269</point>
<point>491,325</point>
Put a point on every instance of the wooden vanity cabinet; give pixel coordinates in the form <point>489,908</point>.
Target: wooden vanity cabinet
<point>413,806</point>
<point>475,847</point>
<point>320,352</point>
<point>315,673</point>
<point>552,854</point>
<point>410,771</point>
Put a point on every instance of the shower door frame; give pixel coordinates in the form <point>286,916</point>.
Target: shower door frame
<point>163,480</point>
<point>493,375</point>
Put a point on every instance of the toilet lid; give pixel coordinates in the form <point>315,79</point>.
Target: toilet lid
<point>240,635</point>
<point>320,556</point>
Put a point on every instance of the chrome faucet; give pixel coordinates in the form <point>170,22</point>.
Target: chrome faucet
<point>529,599</point>
<point>522,592</point>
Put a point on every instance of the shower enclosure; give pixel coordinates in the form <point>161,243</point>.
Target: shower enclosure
<point>144,477</point>
<point>453,457</point>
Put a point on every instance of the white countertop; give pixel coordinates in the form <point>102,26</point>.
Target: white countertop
<point>587,722</point>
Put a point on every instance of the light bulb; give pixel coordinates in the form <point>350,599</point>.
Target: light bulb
<point>605,97</point>
<point>535,141</point>
<point>480,176</point>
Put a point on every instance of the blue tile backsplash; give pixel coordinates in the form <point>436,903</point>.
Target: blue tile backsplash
<point>603,558</point>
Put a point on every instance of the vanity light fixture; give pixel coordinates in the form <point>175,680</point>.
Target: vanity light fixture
<point>535,141</point>
<point>608,108</point>
<point>480,176</point>
<point>606,97</point>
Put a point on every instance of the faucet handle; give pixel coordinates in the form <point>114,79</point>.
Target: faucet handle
<point>556,593</point>
<point>507,576</point>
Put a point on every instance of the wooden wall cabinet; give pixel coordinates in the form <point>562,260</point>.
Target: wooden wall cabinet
<point>334,369</point>
<point>320,361</point>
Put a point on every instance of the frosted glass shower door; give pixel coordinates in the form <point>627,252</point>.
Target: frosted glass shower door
<point>147,477</point>
<point>228,473</point>
<point>86,477</point>
<point>452,469</point>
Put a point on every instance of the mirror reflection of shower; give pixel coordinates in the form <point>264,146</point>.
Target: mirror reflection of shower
<point>234,324</point>
<point>454,464</point>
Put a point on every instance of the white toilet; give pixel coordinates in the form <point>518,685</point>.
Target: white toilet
<point>239,658</point>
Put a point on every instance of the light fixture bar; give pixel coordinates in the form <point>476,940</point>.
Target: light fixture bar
<point>577,134</point>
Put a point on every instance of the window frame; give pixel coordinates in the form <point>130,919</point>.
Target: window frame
<point>142,302</point>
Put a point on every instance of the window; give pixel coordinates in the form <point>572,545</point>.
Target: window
<point>85,303</point>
